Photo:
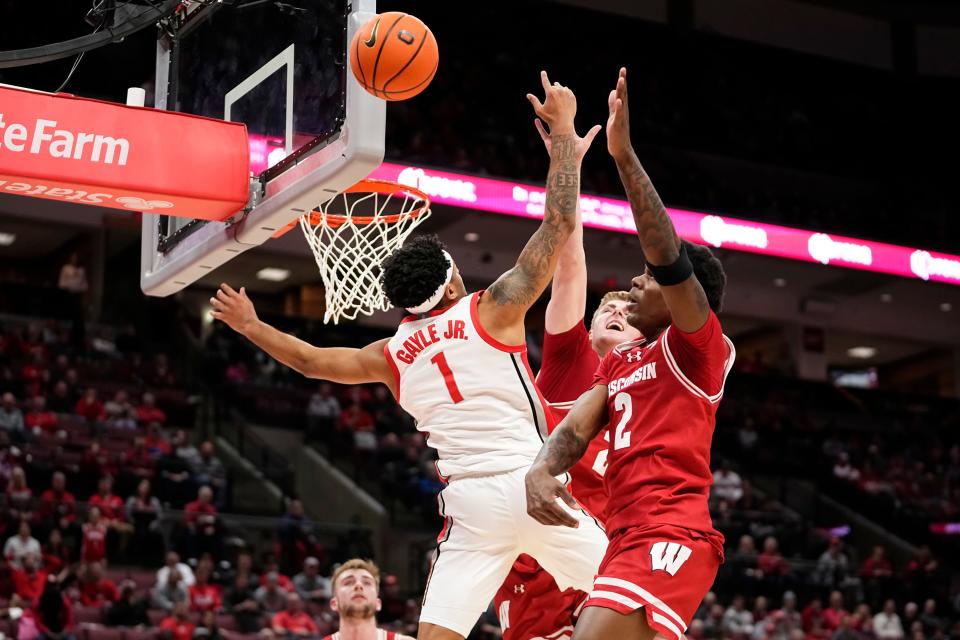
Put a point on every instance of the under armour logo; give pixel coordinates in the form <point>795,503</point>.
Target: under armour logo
<point>668,556</point>
<point>518,588</point>
<point>633,356</point>
<point>139,204</point>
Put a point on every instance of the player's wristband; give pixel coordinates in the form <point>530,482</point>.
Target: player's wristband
<point>674,273</point>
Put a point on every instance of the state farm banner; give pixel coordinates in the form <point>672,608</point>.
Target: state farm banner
<point>62,147</point>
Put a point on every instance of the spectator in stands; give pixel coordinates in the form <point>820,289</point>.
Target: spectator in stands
<point>112,511</point>
<point>359,422</point>
<point>242,603</point>
<point>309,584</point>
<point>54,613</point>
<point>89,406</point>
<point>56,555</point>
<point>177,626</point>
<point>293,622</point>
<point>296,536</point>
<point>73,276</point>
<point>813,619</point>
<point>786,620</point>
<point>844,470</point>
<point>209,470</point>
<point>886,624</point>
<point>139,461</point>
<point>761,615</point>
<point>172,592</point>
<point>202,525</point>
<point>747,436</point>
<point>95,589</point>
<point>771,563</point>
<point>727,484</point>
<point>845,629</point>
<point>911,615</point>
<point>21,545</point>
<point>208,628</point>
<point>393,604</point>
<point>738,621</point>
<point>703,611</point>
<point>11,418</point>
<point>323,411</point>
<point>120,412</point>
<point>174,482</point>
<point>39,419</point>
<point>172,564</point>
<point>148,412</point>
<point>244,567</point>
<point>932,623</point>
<point>832,566</point>
<point>30,578</point>
<point>876,574</point>
<point>19,496</point>
<point>94,548</point>
<point>61,400</point>
<point>58,507</point>
<point>713,623</point>
<point>272,566</point>
<point>921,573</point>
<point>144,512</point>
<point>835,615</point>
<point>204,596</point>
<point>270,596</point>
<point>130,609</point>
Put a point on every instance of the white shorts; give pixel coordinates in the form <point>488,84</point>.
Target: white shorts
<point>486,527</point>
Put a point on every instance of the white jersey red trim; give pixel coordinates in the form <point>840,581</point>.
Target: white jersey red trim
<point>473,395</point>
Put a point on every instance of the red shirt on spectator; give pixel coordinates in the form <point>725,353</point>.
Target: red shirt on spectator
<point>43,420</point>
<point>355,418</point>
<point>833,618</point>
<point>157,444</point>
<point>111,507</point>
<point>58,504</point>
<point>54,560</point>
<point>772,564</point>
<point>179,629</point>
<point>92,411</point>
<point>146,415</point>
<point>94,542</point>
<point>205,598</point>
<point>295,623</point>
<point>196,509</point>
<point>29,586</point>
<point>874,568</point>
<point>96,593</point>
<point>283,582</point>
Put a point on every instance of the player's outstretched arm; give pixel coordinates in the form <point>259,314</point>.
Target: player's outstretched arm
<point>568,291</point>
<point>503,309</point>
<point>686,300</point>
<point>565,446</point>
<point>337,364</point>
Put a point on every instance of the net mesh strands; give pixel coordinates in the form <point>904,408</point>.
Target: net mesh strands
<point>352,233</point>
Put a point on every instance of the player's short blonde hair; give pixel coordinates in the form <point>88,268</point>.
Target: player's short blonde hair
<point>356,563</point>
<point>608,297</point>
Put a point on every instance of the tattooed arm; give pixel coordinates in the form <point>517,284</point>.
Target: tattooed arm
<point>565,446</point>
<point>505,304</point>
<point>687,302</point>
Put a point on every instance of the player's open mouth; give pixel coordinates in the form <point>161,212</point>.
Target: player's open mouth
<point>616,325</point>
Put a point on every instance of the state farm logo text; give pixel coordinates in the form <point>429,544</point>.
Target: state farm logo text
<point>44,138</point>
<point>135,203</point>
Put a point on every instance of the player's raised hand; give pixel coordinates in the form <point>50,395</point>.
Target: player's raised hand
<point>558,108</point>
<point>618,122</point>
<point>234,308</point>
<point>583,144</point>
<point>542,493</point>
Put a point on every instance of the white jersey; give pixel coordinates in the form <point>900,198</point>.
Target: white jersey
<point>474,397</point>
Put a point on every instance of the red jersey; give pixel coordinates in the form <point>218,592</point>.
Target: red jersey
<point>295,623</point>
<point>569,364</point>
<point>55,505</point>
<point>28,586</point>
<point>179,629</point>
<point>111,507</point>
<point>530,605</point>
<point>662,404</point>
<point>96,593</point>
<point>199,512</point>
<point>94,542</point>
<point>205,597</point>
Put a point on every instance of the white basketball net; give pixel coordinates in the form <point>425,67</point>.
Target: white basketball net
<point>350,235</point>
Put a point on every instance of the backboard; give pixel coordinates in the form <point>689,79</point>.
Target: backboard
<point>280,67</point>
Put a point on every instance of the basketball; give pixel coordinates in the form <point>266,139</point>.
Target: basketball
<point>394,56</point>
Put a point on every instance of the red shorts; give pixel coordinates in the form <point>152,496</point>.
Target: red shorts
<point>664,569</point>
<point>530,605</point>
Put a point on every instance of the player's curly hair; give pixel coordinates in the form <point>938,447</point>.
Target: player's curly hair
<point>709,271</point>
<point>413,272</point>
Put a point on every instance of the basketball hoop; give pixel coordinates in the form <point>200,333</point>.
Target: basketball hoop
<point>352,233</point>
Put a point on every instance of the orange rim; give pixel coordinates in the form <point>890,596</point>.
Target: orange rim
<point>368,185</point>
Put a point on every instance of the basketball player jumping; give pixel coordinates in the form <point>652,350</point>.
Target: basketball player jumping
<point>529,604</point>
<point>355,585</point>
<point>458,365</point>
<point>659,396</point>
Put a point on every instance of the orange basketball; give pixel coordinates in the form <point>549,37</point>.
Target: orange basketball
<point>394,56</point>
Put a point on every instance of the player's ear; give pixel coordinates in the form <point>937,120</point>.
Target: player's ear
<point>379,605</point>
<point>334,606</point>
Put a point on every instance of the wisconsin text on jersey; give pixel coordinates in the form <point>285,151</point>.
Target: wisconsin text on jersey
<point>415,344</point>
<point>644,372</point>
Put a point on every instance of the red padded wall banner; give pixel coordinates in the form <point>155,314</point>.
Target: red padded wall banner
<point>61,147</point>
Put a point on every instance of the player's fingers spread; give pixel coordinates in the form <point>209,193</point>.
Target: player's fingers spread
<point>243,291</point>
<point>545,81</point>
<point>221,296</point>
<point>541,130</point>
<point>594,130</point>
<point>535,102</point>
<point>227,289</point>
